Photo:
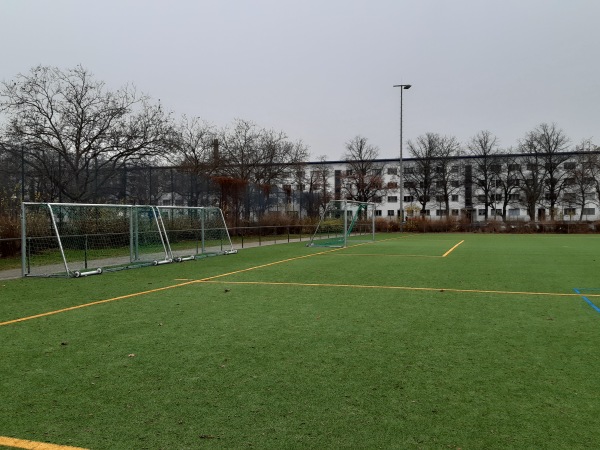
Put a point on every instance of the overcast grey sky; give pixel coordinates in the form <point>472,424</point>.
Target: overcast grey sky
<point>323,70</point>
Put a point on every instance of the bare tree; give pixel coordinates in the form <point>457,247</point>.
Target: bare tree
<point>505,173</point>
<point>195,150</point>
<point>531,175</point>
<point>196,153</point>
<point>484,146</point>
<point>254,155</point>
<point>447,173</point>
<point>581,178</point>
<point>420,178</point>
<point>75,133</point>
<point>552,143</point>
<point>363,180</point>
<point>319,187</point>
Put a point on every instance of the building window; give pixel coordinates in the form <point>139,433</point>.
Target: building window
<point>409,170</point>
<point>570,211</point>
<point>440,212</point>
<point>455,212</point>
<point>439,198</point>
<point>392,199</point>
<point>514,212</point>
<point>377,213</point>
<point>514,197</point>
<point>514,167</point>
<point>408,198</point>
<point>392,171</point>
<point>377,199</point>
<point>481,212</point>
<point>589,211</point>
<point>392,185</point>
<point>569,165</point>
<point>348,172</point>
<point>391,213</point>
<point>454,169</point>
<point>455,198</point>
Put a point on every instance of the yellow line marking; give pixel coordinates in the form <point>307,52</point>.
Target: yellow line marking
<point>151,291</point>
<point>276,262</point>
<point>403,288</point>
<point>32,445</point>
<point>99,302</point>
<point>452,249</point>
<point>390,254</point>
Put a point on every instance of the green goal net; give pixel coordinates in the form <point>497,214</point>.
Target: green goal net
<point>345,222</point>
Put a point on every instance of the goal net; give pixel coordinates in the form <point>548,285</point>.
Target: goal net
<point>194,232</point>
<point>67,239</point>
<point>345,222</point>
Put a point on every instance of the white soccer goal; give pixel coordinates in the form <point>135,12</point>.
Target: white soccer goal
<point>344,222</point>
<point>194,232</point>
<point>68,239</point>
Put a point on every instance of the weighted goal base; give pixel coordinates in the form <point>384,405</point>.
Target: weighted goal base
<point>78,273</point>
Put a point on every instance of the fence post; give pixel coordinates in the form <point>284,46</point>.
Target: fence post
<point>24,248</point>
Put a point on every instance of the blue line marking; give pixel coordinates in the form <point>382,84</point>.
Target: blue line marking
<point>589,302</point>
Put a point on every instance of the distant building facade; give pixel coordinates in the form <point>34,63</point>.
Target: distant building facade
<point>506,187</point>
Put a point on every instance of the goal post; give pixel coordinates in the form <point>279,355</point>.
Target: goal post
<point>344,222</point>
<point>72,239</point>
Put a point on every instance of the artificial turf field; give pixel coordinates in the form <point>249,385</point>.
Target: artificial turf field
<point>414,341</point>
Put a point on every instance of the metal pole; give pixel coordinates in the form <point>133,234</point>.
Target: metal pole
<point>23,240</point>
<point>345,224</point>
<point>372,222</point>
<point>22,173</point>
<point>401,165</point>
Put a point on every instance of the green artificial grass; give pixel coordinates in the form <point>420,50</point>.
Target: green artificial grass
<point>384,345</point>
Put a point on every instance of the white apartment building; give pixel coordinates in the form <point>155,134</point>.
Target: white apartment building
<point>576,198</point>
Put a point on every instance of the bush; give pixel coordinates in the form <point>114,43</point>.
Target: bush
<point>10,231</point>
<point>426,225</point>
<point>386,225</point>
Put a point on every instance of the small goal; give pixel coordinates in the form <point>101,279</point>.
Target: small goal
<point>72,239</point>
<point>345,222</point>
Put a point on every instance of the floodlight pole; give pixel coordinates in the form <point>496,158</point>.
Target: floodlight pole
<point>401,165</point>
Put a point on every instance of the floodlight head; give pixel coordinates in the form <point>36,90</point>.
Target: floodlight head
<point>403,86</point>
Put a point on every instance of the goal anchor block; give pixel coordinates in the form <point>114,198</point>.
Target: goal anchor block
<point>185,258</point>
<point>78,273</point>
<point>161,262</point>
